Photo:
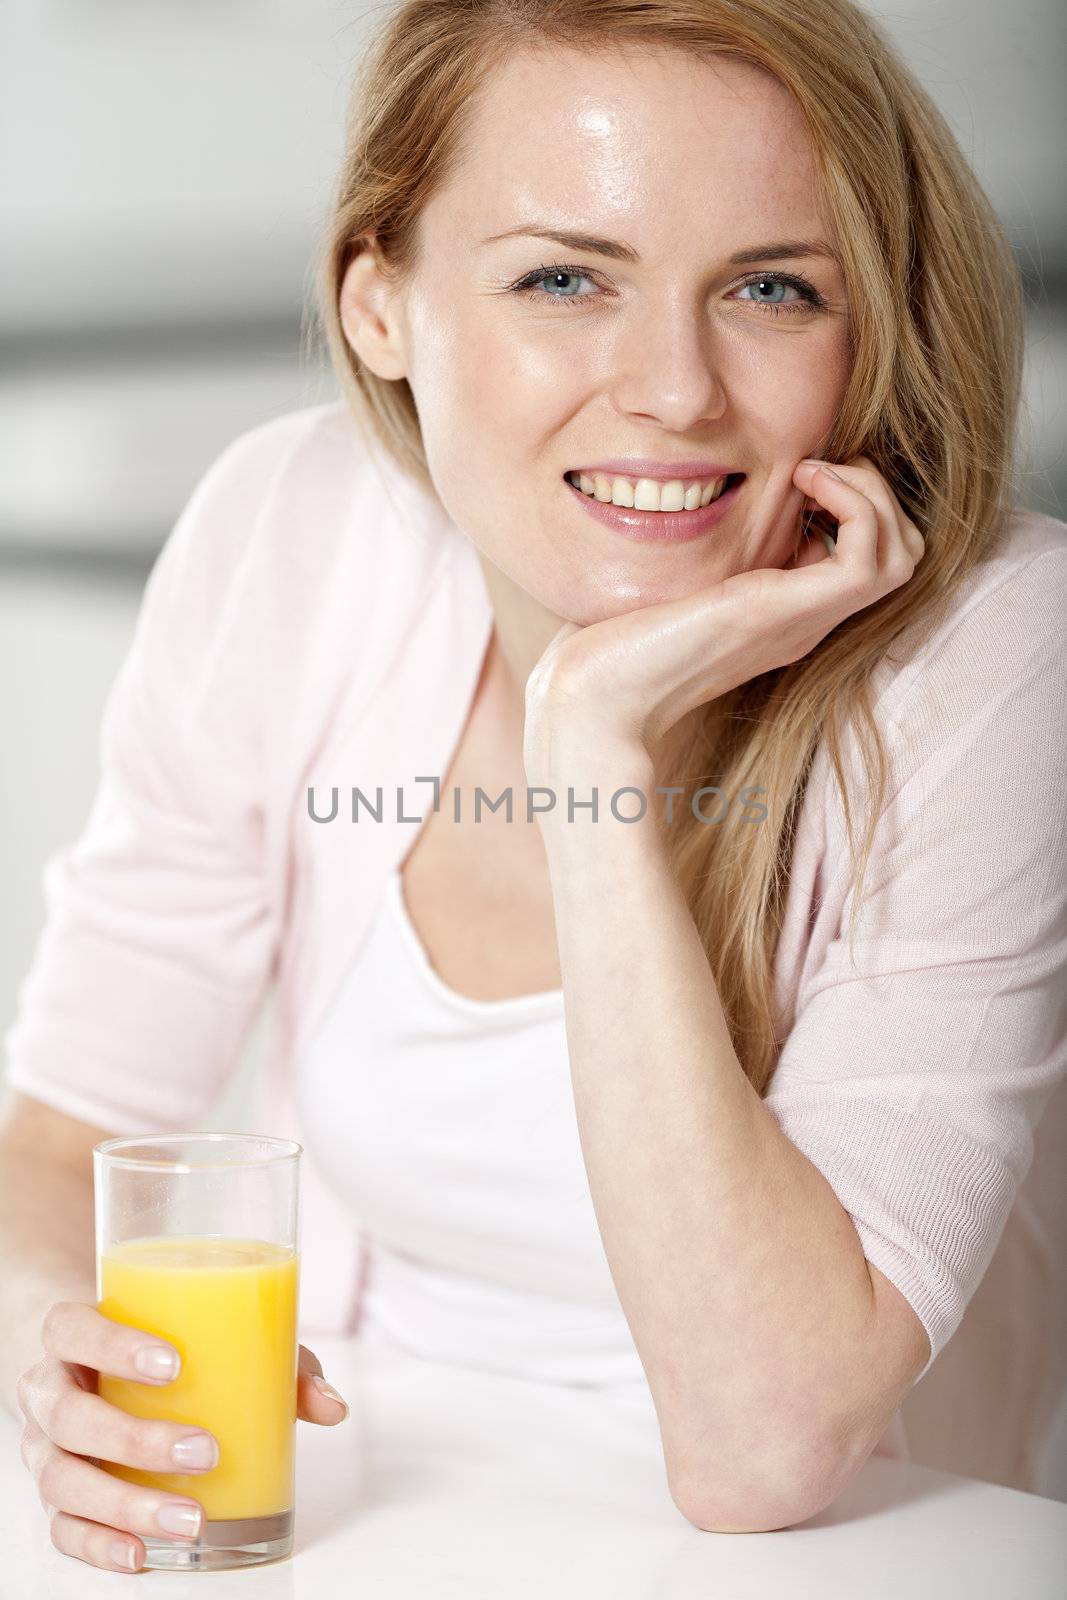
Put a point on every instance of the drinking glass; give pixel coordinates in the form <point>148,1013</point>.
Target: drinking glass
<point>197,1242</point>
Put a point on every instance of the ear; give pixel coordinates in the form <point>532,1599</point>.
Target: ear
<point>369,315</point>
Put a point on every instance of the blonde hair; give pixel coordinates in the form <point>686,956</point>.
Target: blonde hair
<point>936,327</point>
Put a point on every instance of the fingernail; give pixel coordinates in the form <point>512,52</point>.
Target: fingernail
<point>124,1555</point>
<point>199,1450</point>
<point>179,1519</point>
<point>328,1389</point>
<point>157,1361</point>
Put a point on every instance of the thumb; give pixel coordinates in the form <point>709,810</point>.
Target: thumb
<point>565,632</point>
<point>542,667</point>
<point>316,1400</point>
<point>558,639</point>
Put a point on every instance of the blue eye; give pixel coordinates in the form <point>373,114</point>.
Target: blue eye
<point>544,276</point>
<point>810,298</point>
<point>766,283</point>
<point>543,285</point>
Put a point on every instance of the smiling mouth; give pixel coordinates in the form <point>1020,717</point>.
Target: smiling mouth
<point>650,494</point>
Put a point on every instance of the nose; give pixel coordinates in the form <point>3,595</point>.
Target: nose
<point>668,371</point>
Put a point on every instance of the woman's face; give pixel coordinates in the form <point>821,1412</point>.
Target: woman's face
<point>670,355</point>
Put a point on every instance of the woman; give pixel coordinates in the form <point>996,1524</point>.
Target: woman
<point>608,1097</point>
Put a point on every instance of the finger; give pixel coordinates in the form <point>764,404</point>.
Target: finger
<point>76,1332</point>
<point>71,1484</point>
<point>860,532</point>
<point>317,1400</point>
<point>904,537</point>
<point>862,473</point>
<point>89,1425</point>
<point>912,538</point>
<point>308,1361</point>
<point>878,490</point>
<point>93,1543</point>
<point>812,549</point>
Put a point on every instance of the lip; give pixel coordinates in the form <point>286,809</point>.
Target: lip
<point>636,467</point>
<point>665,527</point>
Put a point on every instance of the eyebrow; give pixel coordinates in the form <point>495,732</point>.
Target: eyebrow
<point>617,251</point>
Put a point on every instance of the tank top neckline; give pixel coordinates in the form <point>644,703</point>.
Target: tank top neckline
<point>541,1001</point>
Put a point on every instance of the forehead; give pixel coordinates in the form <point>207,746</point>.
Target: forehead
<point>631,138</point>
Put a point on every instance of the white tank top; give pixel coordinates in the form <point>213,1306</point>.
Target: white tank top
<point>448,1125</point>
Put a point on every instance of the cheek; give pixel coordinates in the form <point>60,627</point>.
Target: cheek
<point>488,363</point>
<point>490,399</point>
<point>795,382</point>
<point>525,383</point>
<point>816,385</point>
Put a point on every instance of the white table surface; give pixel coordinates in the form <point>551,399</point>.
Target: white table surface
<point>450,1482</point>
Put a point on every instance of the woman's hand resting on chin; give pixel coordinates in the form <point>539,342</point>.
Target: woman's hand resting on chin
<point>626,681</point>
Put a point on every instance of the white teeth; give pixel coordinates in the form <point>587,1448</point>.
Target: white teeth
<point>647,494</point>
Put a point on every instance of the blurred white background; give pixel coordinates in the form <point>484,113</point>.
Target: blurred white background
<point>165,167</point>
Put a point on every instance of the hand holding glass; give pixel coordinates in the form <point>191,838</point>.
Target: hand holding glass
<point>197,1242</point>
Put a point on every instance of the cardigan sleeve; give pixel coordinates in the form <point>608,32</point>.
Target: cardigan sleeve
<point>914,1078</point>
<point>159,938</point>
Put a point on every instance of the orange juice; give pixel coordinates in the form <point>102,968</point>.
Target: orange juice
<point>229,1307</point>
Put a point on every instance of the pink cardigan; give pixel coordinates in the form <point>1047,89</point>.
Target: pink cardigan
<point>314,619</point>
